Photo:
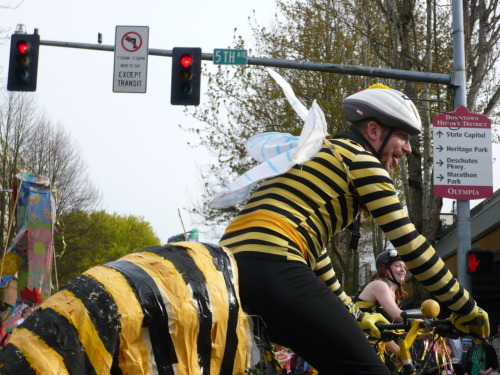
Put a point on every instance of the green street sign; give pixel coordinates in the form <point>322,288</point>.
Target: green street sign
<point>230,56</point>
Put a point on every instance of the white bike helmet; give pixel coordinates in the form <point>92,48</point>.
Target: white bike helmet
<point>392,108</point>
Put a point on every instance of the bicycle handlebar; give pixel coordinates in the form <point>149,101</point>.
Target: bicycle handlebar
<point>442,327</point>
<point>392,326</point>
<point>412,314</point>
<point>423,323</point>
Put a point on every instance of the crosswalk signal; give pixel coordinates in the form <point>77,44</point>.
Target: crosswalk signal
<point>480,262</point>
<point>23,62</point>
<point>186,76</point>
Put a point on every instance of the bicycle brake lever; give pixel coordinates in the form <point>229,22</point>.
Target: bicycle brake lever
<point>448,330</point>
<point>425,323</point>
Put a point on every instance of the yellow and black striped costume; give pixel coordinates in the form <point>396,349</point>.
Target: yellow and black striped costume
<point>294,215</point>
<point>170,309</point>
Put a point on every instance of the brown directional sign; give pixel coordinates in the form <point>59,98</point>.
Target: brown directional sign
<point>463,167</point>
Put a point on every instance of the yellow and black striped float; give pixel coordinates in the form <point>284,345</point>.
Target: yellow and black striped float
<point>164,310</point>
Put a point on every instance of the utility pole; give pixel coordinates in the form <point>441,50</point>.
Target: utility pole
<point>463,207</point>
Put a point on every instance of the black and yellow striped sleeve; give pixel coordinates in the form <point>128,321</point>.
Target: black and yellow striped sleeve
<point>324,270</point>
<point>378,194</point>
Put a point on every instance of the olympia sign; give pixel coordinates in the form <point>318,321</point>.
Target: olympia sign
<point>463,167</point>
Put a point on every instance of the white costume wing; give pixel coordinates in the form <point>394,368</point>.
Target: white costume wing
<point>277,152</point>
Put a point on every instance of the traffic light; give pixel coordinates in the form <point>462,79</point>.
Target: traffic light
<point>480,262</point>
<point>186,76</point>
<point>23,62</point>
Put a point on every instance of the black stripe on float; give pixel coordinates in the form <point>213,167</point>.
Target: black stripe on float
<point>194,277</point>
<point>101,307</point>
<point>115,367</point>
<point>13,361</point>
<point>223,265</point>
<point>155,313</point>
<point>59,334</point>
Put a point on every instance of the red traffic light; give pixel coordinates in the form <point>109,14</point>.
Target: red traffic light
<point>186,61</point>
<point>186,76</point>
<point>22,46</point>
<point>23,62</point>
<point>480,262</point>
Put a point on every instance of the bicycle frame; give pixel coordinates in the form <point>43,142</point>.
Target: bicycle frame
<point>406,344</point>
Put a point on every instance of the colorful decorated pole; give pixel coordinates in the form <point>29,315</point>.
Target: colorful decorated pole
<point>31,253</point>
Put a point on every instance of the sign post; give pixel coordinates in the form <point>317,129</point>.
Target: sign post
<point>131,59</point>
<point>463,167</point>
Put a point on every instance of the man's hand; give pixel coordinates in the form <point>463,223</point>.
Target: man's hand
<point>475,323</point>
<point>366,321</point>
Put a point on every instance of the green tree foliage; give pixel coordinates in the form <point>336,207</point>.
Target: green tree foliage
<point>87,239</point>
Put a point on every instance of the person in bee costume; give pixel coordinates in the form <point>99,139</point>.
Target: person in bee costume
<point>164,310</point>
<point>311,192</point>
<point>385,294</point>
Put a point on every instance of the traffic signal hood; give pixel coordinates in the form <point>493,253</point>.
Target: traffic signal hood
<point>480,262</point>
<point>23,62</point>
<point>186,76</point>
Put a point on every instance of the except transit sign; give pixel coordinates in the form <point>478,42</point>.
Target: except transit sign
<point>463,167</point>
<point>131,59</point>
<point>230,57</point>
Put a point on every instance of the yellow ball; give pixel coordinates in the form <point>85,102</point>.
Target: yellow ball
<point>430,308</point>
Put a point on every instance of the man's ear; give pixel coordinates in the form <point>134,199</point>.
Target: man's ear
<point>372,131</point>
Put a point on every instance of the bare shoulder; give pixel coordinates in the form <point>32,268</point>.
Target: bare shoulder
<point>372,290</point>
<point>376,284</point>
<point>379,284</point>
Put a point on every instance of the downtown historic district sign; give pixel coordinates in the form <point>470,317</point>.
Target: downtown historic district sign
<point>463,167</point>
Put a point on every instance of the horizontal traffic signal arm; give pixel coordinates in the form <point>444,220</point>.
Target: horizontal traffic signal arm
<point>409,75</point>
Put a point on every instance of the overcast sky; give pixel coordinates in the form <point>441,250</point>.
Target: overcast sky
<point>136,154</point>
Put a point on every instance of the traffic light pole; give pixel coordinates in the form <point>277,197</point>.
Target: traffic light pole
<point>408,75</point>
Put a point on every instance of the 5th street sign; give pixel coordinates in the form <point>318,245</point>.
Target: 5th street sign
<point>463,167</point>
<point>230,57</point>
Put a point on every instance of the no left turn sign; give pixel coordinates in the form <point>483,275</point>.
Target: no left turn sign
<point>131,41</point>
<point>131,59</point>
